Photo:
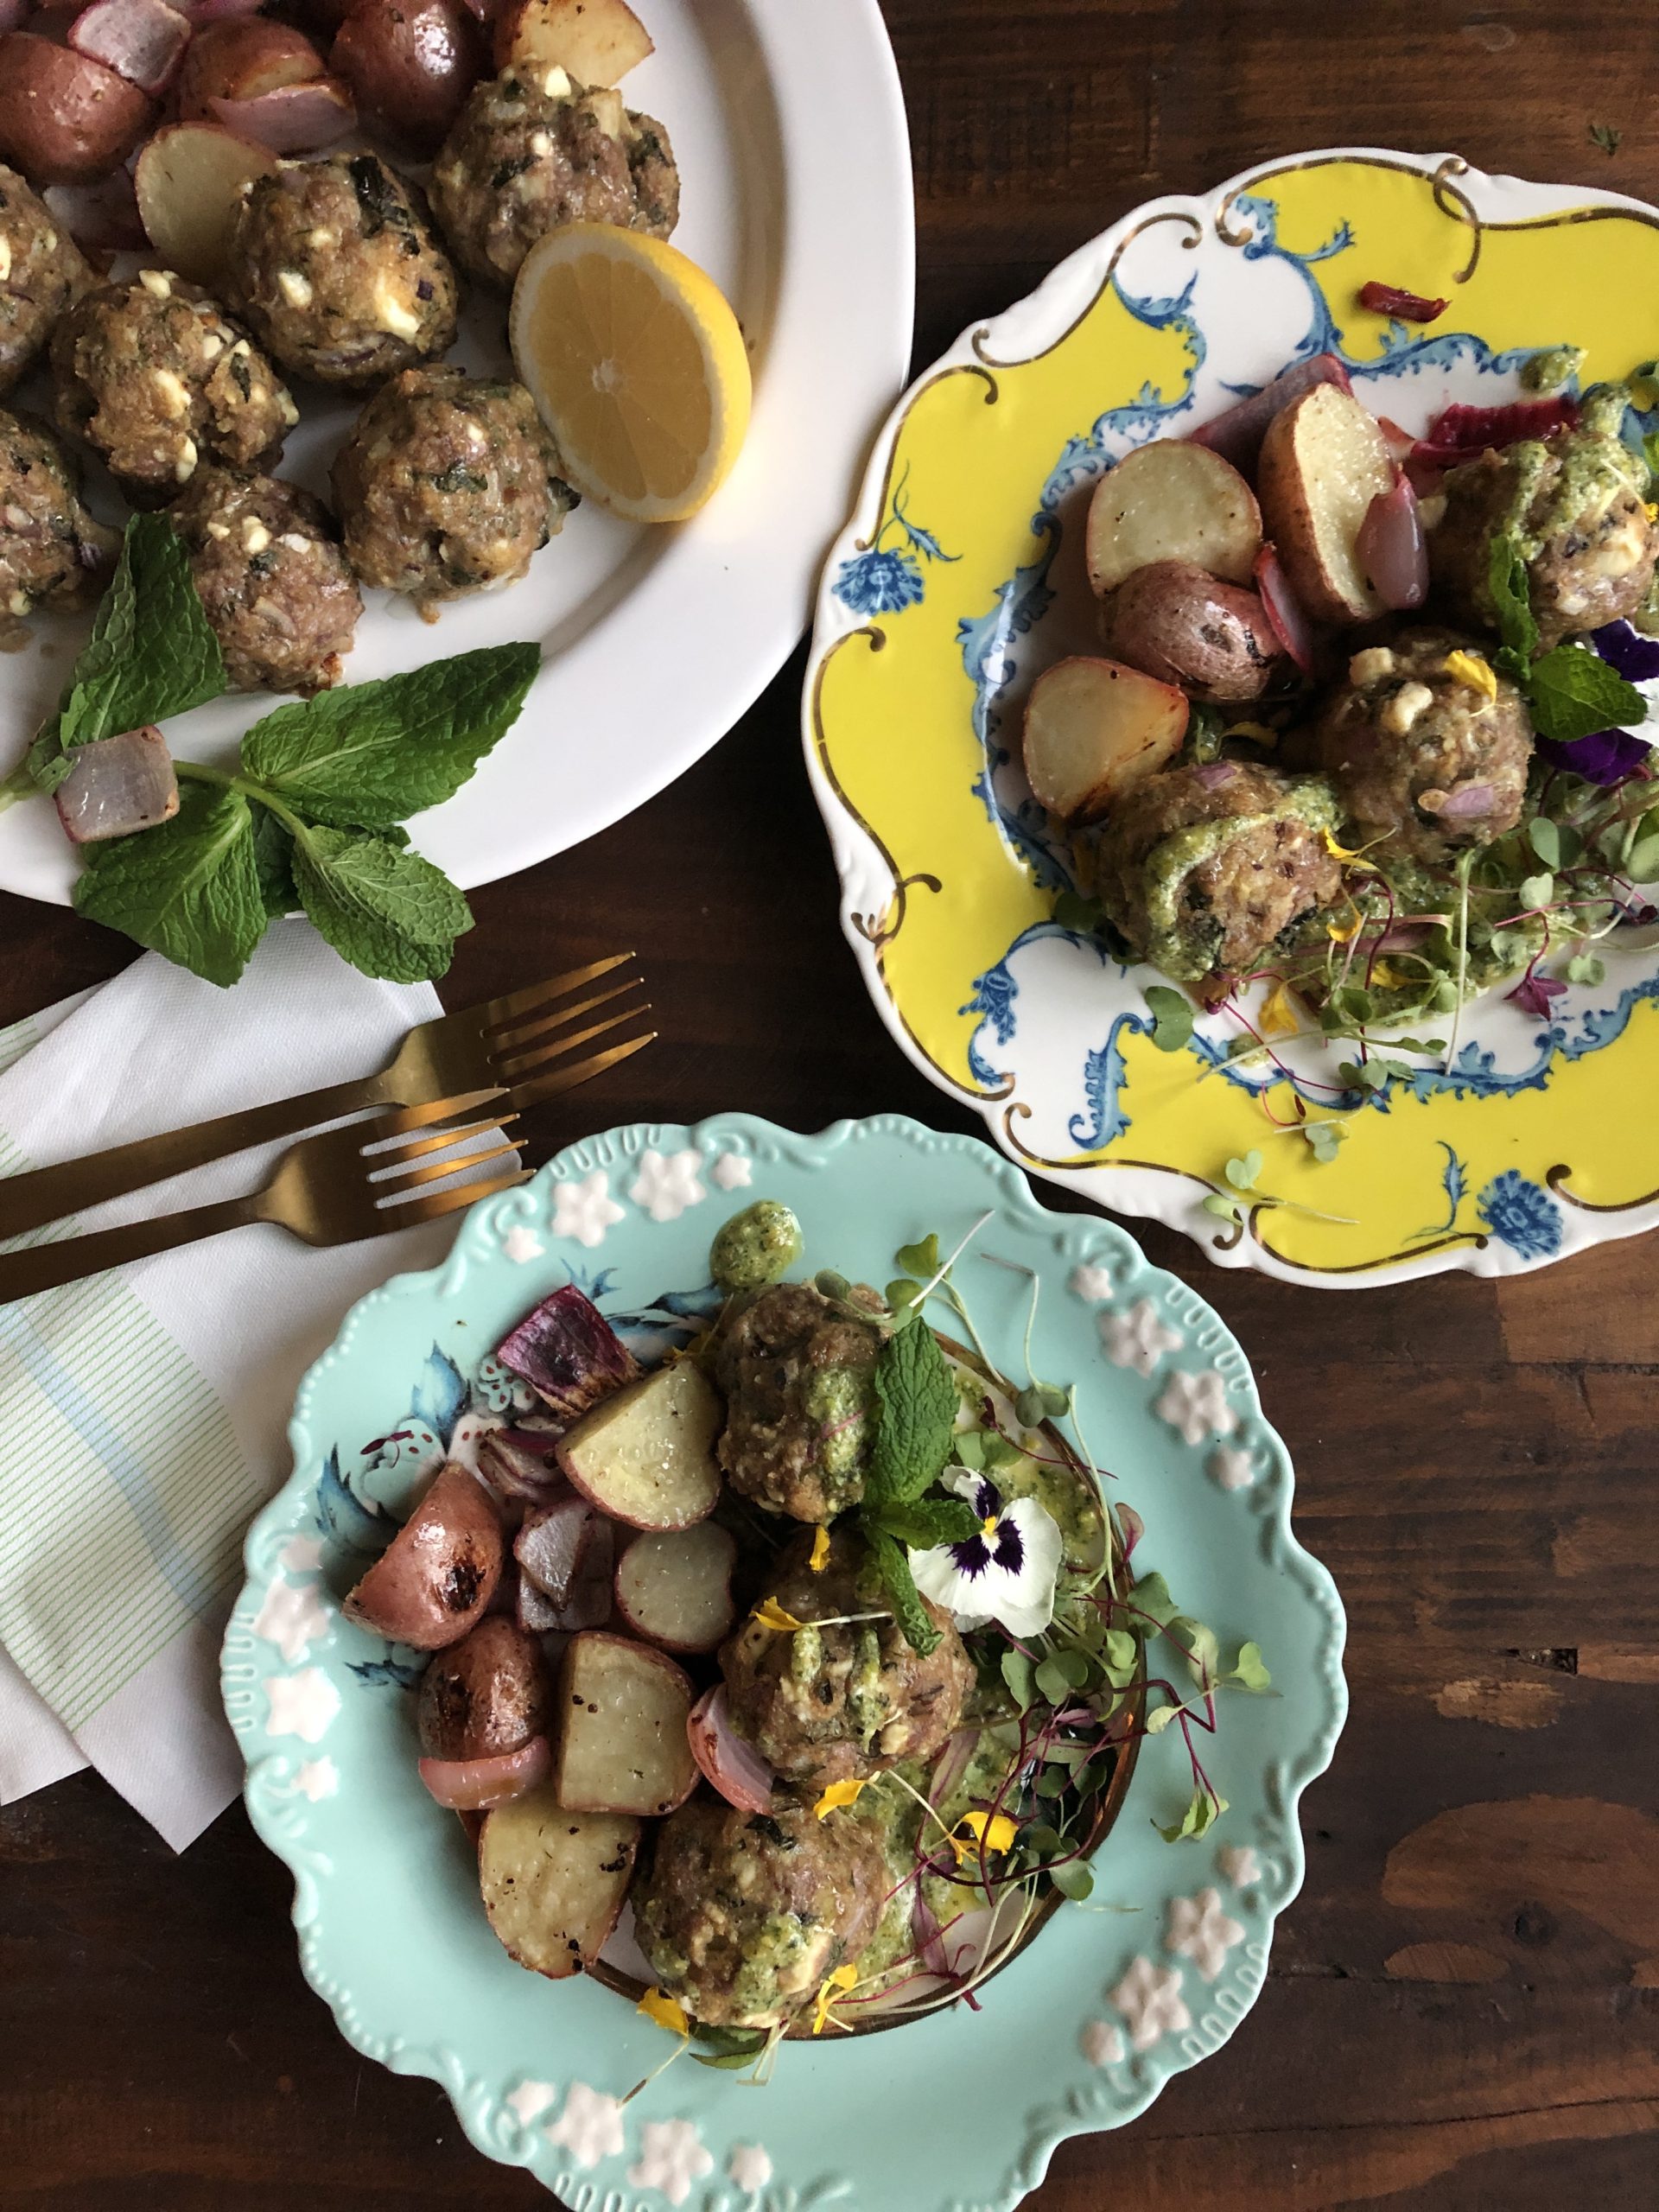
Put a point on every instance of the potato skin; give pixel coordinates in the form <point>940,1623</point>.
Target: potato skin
<point>1304,480</point>
<point>241,55</point>
<point>412,64</point>
<point>439,1572</point>
<point>485,1695</point>
<point>1174,620</point>
<point>64,118</point>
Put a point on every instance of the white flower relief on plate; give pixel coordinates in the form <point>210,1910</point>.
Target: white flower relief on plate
<point>1198,1929</point>
<point>1149,1998</point>
<point>586,1209</point>
<point>317,1779</point>
<point>300,1554</point>
<point>589,2127</point>
<point>1232,1468</point>
<point>293,1618</point>
<point>301,1704</point>
<point>1090,1282</point>
<point>734,1170</point>
<point>1103,2044</point>
<point>1239,1865</point>
<point>748,2166</point>
<point>667,1185</point>
<point>1197,1406</point>
<point>1138,1338</point>
<point>671,2157</point>
<point>522,1245</point>
<point>530,2100</point>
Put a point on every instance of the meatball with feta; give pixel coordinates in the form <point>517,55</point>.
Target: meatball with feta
<point>530,152</point>
<point>41,274</point>
<point>799,1378</point>
<point>268,567</point>
<point>339,272</point>
<point>447,486</point>
<point>158,382</point>
<point>1575,504</point>
<point>51,551</point>
<point>1203,869</point>
<point>832,1704</point>
<point>743,1916</point>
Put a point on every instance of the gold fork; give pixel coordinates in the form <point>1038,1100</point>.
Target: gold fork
<point>336,1188</point>
<point>481,1048</point>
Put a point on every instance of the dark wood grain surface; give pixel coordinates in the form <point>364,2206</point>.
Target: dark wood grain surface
<point>1462,2013</point>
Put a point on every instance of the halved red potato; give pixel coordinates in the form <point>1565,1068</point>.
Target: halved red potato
<point>1174,620</point>
<point>1094,729</point>
<point>484,1696</point>
<point>64,118</point>
<point>240,57</point>
<point>434,1581</point>
<point>595,41</point>
<point>1171,501</point>
<point>674,1588</point>
<point>553,1880</point>
<point>142,40</point>
<point>189,179</point>
<point>412,64</point>
<point>1324,459</point>
<point>476,1785</point>
<point>621,1710</point>
<point>646,1455</point>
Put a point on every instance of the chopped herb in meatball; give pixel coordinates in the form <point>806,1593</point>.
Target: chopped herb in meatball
<point>52,552</point>
<point>269,571</point>
<point>41,273</point>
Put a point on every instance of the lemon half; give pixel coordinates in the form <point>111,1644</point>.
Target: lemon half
<point>637,365</point>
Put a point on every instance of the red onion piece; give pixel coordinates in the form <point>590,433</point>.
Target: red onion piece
<point>553,1544</point>
<point>1214,773</point>
<point>1392,550</point>
<point>1407,936</point>
<point>1399,442</point>
<point>1458,432</point>
<point>517,1464</point>
<point>292,118</point>
<point>1285,615</point>
<point>1404,307</point>
<point>101,218</point>
<point>473,1785</point>
<point>1465,802</point>
<point>735,1768</point>
<point>952,1763</point>
<point>1237,435</point>
<point>142,40</point>
<point>117,786</point>
<point>568,1352</point>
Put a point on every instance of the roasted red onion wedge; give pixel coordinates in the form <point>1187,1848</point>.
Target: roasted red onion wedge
<point>553,1544</point>
<point>568,1353</point>
<point>518,1463</point>
<point>292,118</point>
<point>119,785</point>
<point>1392,549</point>
<point>735,1768</point>
<point>473,1785</point>
<point>1289,623</point>
<point>142,40</point>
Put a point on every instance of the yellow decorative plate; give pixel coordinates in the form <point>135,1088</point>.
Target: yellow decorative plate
<point>960,577</point>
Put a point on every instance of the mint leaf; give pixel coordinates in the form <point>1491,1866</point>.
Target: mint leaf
<point>152,653</point>
<point>273,860</point>
<point>914,1434</point>
<point>1574,694</point>
<point>1171,1013</point>
<point>369,756</point>
<point>915,1623</point>
<point>1510,590</point>
<point>188,890</point>
<point>926,1523</point>
<point>388,912</point>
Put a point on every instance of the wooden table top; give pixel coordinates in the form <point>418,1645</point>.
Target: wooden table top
<point>1462,2012</point>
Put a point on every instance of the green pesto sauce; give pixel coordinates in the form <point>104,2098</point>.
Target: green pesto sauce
<point>868,1706</point>
<point>839,1400</point>
<point>805,1653</point>
<point>1553,369</point>
<point>1596,469</point>
<point>756,1247</point>
<point>1180,944</point>
<point>776,1949</point>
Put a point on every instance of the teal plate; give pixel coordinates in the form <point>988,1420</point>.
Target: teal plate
<point>957,2111</point>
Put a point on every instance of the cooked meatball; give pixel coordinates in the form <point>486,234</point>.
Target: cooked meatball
<point>530,152</point>
<point>1575,501</point>
<point>268,569</point>
<point>40,272</point>
<point>743,1916</point>
<point>448,486</point>
<point>339,272</point>
<point>824,1705</point>
<point>50,548</point>
<point>1203,867</point>
<point>157,380</point>
<point>1420,752</point>
<point>800,1401</point>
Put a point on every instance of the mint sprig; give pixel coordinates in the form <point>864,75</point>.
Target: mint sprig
<point>1570,692</point>
<point>189,890</point>
<point>917,1394</point>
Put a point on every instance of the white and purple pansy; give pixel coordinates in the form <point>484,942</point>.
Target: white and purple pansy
<point>1005,1573</point>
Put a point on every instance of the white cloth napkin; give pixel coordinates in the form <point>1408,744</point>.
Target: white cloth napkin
<point>142,1414</point>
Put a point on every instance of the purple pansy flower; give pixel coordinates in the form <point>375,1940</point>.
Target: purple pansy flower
<point>1606,756</point>
<point>1005,1573</point>
<point>1623,646</point>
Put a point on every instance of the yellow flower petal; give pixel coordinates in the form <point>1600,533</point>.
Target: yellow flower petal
<point>665,2012</point>
<point>771,1614</point>
<point>838,1795</point>
<point>1474,673</point>
<point>1257,733</point>
<point>820,1558</point>
<point>1345,932</point>
<point>994,1831</point>
<point>1339,851</point>
<point>1278,1016</point>
<point>1386,976</point>
<point>832,1986</point>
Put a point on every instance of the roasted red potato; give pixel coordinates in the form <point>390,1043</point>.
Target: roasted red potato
<point>595,41</point>
<point>1174,620</point>
<point>241,57</point>
<point>64,118</point>
<point>1094,729</point>
<point>554,1881</point>
<point>438,1575</point>
<point>188,179</point>
<point>412,64</point>
<point>622,1712</point>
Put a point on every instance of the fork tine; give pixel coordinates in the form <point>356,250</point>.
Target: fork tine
<point>410,1178</point>
<point>438,1202</point>
<point>403,1118</point>
<point>550,1086</point>
<point>394,1155</point>
<point>537,994</point>
<point>513,1040</point>
<point>517,1065</point>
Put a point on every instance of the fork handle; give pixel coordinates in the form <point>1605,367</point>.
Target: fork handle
<point>43,1194</point>
<point>48,1267</point>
